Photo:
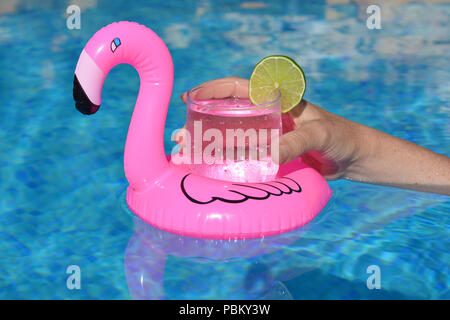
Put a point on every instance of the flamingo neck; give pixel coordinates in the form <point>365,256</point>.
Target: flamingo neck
<point>145,158</point>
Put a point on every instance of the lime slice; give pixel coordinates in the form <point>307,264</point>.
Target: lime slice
<point>275,73</point>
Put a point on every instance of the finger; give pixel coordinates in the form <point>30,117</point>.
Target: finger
<point>219,89</point>
<point>303,112</point>
<point>309,136</point>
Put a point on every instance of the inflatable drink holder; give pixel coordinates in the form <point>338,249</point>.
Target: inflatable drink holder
<point>170,197</point>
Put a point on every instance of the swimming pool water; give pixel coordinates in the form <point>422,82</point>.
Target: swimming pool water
<point>61,175</point>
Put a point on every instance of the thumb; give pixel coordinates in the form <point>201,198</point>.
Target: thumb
<point>308,136</point>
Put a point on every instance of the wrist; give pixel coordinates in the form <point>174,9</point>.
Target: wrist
<point>364,152</point>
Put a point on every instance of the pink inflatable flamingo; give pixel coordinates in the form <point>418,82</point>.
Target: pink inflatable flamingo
<point>167,196</point>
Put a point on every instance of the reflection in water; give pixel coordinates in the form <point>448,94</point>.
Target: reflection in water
<point>160,265</point>
<point>180,35</point>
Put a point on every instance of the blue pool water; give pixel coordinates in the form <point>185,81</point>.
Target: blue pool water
<point>61,175</point>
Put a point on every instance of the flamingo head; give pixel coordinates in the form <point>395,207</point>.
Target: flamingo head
<point>101,53</point>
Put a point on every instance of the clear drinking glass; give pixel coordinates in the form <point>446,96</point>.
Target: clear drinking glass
<point>228,137</point>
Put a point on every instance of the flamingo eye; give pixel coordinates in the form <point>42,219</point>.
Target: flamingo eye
<point>114,44</point>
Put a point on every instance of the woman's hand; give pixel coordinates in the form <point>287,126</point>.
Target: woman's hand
<point>340,148</point>
<point>328,143</point>
<point>310,133</point>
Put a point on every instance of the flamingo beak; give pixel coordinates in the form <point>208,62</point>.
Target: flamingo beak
<point>82,102</point>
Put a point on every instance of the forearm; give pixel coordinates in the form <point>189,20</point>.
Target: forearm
<point>391,161</point>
